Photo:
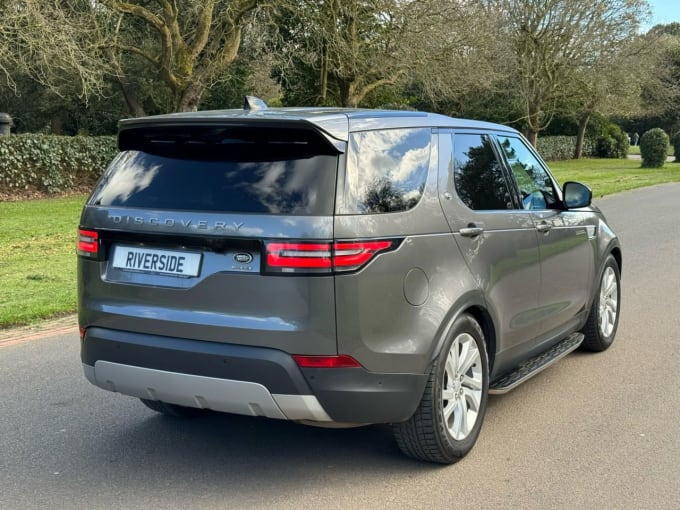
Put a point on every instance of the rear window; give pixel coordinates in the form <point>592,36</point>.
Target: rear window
<point>235,170</point>
<point>386,170</point>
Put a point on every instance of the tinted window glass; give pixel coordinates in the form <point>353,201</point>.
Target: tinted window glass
<point>386,170</point>
<point>533,181</point>
<point>480,181</point>
<point>237,175</point>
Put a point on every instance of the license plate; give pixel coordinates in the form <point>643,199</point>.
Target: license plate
<point>167,262</point>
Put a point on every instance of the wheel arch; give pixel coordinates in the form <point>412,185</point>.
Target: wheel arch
<point>483,318</point>
<point>616,253</point>
<point>474,305</point>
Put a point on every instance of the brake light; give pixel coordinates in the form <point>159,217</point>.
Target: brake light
<point>324,258</point>
<point>339,361</point>
<point>88,243</point>
<point>353,255</point>
<point>299,255</point>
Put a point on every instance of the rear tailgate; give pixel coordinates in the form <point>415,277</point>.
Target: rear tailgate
<point>179,228</point>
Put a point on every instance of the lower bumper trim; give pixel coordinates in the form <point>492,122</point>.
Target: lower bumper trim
<point>224,395</point>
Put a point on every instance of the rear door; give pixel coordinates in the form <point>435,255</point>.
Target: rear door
<point>212,232</point>
<point>498,241</point>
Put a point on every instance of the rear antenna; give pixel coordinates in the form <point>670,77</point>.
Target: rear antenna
<point>254,103</point>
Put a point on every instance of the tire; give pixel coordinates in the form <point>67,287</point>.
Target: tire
<point>447,422</point>
<point>173,410</point>
<point>600,328</point>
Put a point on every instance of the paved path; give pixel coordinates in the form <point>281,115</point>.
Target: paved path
<point>41,329</point>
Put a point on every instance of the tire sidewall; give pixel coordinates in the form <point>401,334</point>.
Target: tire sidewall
<point>458,448</point>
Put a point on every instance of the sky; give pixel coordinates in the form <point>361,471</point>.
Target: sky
<point>664,12</point>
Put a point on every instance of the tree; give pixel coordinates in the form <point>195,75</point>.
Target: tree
<point>609,85</point>
<point>554,40</point>
<point>53,42</point>
<point>185,45</point>
<point>341,52</point>
<point>194,41</point>
<point>661,90</point>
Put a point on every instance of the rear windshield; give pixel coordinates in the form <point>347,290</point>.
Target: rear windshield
<point>242,170</point>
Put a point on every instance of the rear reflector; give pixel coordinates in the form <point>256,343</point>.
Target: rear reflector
<point>340,361</point>
<point>325,258</point>
<point>88,243</point>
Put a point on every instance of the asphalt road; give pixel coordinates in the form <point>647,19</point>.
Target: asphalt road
<point>594,431</point>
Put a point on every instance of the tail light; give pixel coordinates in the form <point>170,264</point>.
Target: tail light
<point>88,243</point>
<point>323,258</point>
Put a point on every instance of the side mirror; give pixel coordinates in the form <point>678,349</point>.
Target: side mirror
<point>576,195</point>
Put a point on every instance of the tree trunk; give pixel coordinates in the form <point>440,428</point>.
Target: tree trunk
<point>345,93</point>
<point>323,78</point>
<point>533,123</point>
<point>581,136</point>
<point>532,136</point>
<point>56,125</point>
<point>134,106</point>
<point>188,99</point>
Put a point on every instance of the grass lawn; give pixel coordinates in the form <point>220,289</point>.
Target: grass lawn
<point>635,150</point>
<point>607,176</point>
<point>37,238</point>
<point>37,259</point>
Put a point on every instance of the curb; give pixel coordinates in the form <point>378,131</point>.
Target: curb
<point>39,330</point>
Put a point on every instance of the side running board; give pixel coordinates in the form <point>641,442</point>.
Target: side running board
<point>535,365</point>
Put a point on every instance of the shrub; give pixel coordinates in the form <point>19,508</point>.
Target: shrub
<point>556,148</point>
<point>676,146</point>
<point>52,164</point>
<point>612,142</point>
<point>653,148</point>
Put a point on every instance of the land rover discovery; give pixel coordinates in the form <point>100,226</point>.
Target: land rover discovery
<point>338,267</point>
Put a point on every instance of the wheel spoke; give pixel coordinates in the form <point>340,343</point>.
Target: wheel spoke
<point>473,398</point>
<point>611,288</point>
<point>448,394</point>
<point>473,382</point>
<point>604,322</point>
<point>451,364</point>
<point>459,427</point>
<point>471,357</point>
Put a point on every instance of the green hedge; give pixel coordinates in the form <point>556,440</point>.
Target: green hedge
<point>52,164</point>
<point>555,148</point>
<point>49,164</point>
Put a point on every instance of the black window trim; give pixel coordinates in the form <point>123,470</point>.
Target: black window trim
<point>517,196</point>
<point>507,174</point>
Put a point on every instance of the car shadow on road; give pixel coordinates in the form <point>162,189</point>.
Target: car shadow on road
<point>257,455</point>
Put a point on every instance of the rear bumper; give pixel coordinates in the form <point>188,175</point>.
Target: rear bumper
<point>244,380</point>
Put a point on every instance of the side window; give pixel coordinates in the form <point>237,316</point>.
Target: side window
<point>478,175</point>
<point>386,170</point>
<point>533,181</point>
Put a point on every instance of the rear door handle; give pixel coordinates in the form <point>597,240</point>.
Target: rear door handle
<point>544,227</point>
<point>471,231</point>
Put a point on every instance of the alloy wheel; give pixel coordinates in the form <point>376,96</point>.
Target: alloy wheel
<point>462,388</point>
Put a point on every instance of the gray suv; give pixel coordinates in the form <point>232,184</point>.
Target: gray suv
<point>337,267</point>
